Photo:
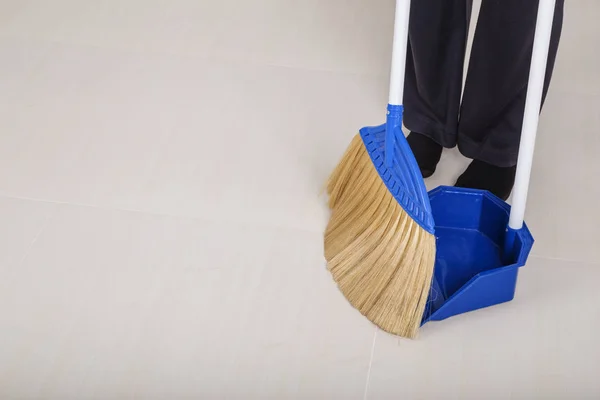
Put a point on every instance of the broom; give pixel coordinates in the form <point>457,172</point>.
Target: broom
<point>379,242</point>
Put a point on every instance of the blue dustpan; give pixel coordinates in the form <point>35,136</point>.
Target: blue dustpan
<point>473,269</point>
<point>481,241</point>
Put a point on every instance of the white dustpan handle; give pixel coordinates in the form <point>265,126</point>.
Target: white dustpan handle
<point>537,74</point>
<point>399,52</point>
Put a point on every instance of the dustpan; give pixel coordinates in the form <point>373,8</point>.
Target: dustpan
<point>481,241</point>
<point>473,270</point>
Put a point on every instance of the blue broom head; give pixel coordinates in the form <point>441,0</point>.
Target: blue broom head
<point>397,167</point>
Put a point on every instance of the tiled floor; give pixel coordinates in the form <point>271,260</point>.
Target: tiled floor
<point>161,226</point>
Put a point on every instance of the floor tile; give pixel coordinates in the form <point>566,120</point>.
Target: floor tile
<point>112,303</point>
<point>259,145</point>
<point>75,141</point>
<point>338,35</point>
<point>179,26</point>
<point>576,68</point>
<point>19,60</point>
<point>181,135</point>
<point>22,222</point>
<point>540,346</point>
<point>562,203</point>
<point>72,137</point>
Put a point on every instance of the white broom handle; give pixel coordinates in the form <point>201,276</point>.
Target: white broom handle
<point>399,52</point>
<point>537,75</point>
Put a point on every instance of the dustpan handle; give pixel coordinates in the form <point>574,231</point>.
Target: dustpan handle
<point>537,75</point>
<point>399,52</point>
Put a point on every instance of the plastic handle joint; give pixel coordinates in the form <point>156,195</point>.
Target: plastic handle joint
<point>393,127</point>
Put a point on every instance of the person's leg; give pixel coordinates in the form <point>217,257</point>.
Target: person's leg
<point>494,97</point>
<point>434,71</point>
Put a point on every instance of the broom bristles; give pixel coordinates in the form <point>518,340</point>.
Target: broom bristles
<point>381,259</point>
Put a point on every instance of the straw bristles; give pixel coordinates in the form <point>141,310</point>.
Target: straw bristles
<point>380,258</point>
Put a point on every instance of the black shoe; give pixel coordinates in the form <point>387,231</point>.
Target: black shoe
<point>481,175</point>
<point>426,151</point>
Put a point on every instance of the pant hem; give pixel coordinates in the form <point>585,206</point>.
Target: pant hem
<point>481,152</point>
<point>430,129</point>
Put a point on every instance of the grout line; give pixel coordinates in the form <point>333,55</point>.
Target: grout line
<point>234,222</point>
<point>166,215</point>
<point>540,257</point>
<point>193,56</point>
<point>370,364</point>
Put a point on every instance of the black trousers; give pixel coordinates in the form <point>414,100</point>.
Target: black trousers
<point>487,124</point>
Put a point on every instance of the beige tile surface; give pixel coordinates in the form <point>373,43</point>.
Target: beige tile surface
<point>181,135</point>
<point>338,35</point>
<point>578,62</point>
<point>119,304</point>
<point>541,345</point>
<point>161,221</point>
<point>562,208</point>
<point>22,223</point>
